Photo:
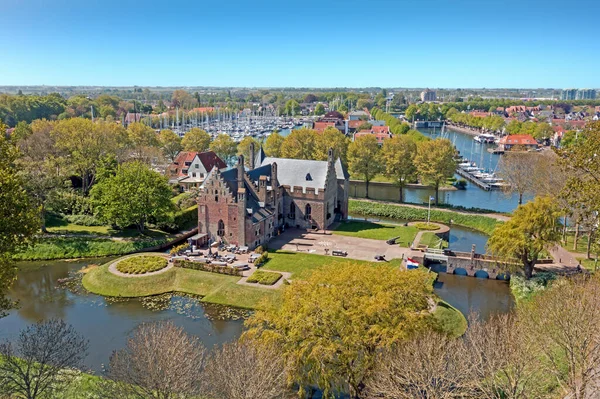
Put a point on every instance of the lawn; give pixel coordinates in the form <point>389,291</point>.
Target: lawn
<point>301,264</point>
<point>581,243</point>
<point>264,278</point>
<point>432,240</point>
<point>142,264</point>
<point>377,231</point>
<point>589,264</point>
<point>213,287</point>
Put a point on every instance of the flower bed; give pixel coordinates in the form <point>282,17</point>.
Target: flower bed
<point>141,264</point>
<point>426,226</point>
<point>207,267</point>
<point>264,278</point>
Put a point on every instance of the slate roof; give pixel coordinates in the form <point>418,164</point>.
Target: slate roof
<point>303,173</point>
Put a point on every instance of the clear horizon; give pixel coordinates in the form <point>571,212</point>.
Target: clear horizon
<point>434,43</point>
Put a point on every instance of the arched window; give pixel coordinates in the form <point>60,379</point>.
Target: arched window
<point>221,228</point>
<point>292,211</point>
<point>307,212</point>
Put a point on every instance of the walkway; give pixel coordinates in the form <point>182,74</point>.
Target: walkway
<point>113,266</point>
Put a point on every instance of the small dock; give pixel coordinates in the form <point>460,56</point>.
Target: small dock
<point>496,150</point>
<point>463,173</point>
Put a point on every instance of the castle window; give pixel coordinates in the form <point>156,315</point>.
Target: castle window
<point>293,211</point>
<point>220,228</point>
<point>307,212</point>
<point>216,198</point>
<point>308,177</point>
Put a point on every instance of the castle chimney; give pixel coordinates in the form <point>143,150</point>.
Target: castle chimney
<point>252,157</point>
<point>240,170</point>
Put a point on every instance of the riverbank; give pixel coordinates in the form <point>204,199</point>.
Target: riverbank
<point>485,223</point>
<point>465,130</point>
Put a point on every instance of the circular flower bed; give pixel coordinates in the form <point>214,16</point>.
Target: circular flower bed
<point>141,264</point>
<point>426,226</point>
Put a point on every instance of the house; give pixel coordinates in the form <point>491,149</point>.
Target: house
<point>358,115</point>
<point>189,169</point>
<point>380,134</point>
<point>522,140</point>
<point>247,207</point>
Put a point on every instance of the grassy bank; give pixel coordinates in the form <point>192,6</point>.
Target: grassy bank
<point>374,209</point>
<point>450,319</point>
<point>377,231</point>
<point>432,240</point>
<point>213,287</point>
<point>83,247</point>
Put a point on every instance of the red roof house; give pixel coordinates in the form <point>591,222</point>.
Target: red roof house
<point>524,140</point>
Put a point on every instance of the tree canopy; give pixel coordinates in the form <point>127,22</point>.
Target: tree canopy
<point>224,147</point>
<point>364,158</point>
<point>398,158</point>
<point>196,140</point>
<point>435,162</point>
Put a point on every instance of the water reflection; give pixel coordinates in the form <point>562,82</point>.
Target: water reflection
<point>106,325</point>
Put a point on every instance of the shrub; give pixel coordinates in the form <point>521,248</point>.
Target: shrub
<point>264,278</point>
<point>426,226</point>
<point>178,249</point>
<point>83,220</point>
<point>207,267</point>
<point>261,261</point>
<point>524,290</point>
<point>141,264</point>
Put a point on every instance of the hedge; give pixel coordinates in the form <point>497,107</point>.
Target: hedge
<point>481,223</point>
<point>207,267</point>
<point>262,259</point>
<point>141,264</point>
<point>264,278</point>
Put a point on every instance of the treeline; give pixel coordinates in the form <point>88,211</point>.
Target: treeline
<point>497,124</point>
<point>14,109</point>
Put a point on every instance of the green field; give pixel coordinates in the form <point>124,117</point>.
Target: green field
<point>377,231</point>
<point>481,223</point>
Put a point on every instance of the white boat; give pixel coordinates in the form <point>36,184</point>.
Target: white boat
<point>485,138</point>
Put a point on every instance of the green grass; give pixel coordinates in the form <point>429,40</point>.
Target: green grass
<point>213,287</point>
<point>142,264</point>
<point>82,247</point>
<point>302,264</point>
<point>374,209</point>
<point>581,243</point>
<point>432,240</point>
<point>426,226</point>
<point>264,278</point>
<point>377,231</point>
<point>449,319</point>
<point>589,264</point>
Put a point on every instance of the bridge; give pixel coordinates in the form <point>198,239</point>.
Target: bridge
<point>476,265</point>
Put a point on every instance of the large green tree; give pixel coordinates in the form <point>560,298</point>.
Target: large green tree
<point>18,217</point>
<point>224,147</point>
<point>196,140</point>
<point>334,139</point>
<point>300,144</point>
<point>170,143</point>
<point>134,196</point>
<point>532,229</point>
<point>435,162</point>
<point>398,158</point>
<point>364,159</point>
<point>273,144</point>
<point>145,145</point>
<point>243,148</point>
<point>331,325</point>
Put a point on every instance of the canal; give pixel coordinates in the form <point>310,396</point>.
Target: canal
<point>107,324</point>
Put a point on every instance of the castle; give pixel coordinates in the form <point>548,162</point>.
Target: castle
<point>248,206</point>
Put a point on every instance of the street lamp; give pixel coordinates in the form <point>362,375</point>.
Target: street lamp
<point>429,209</point>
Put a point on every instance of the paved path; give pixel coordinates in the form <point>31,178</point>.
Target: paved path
<point>562,256</point>
<point>113,267</point>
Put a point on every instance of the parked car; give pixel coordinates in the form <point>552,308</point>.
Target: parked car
<point>241,266</point>
<point>336,252</point>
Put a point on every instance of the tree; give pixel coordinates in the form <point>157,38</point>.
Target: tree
<point>543,131</point>
<point>35,365</point>
<point>243,148</point>
<point>300,144</point>
<point>334,139</point>
<point>331,325</point>
<point>398,157</point>
<point>514,127</point>
<point>520,240</point>
<point>432,366</point>
<point>365,126</point>
<point>291,108</point>
<point>224,147</point>
<point>435,162</point>
<point>159,361</point>
<point>170,143</point>
<point>19,219</point>
<point>196,140</point>
<point>517,169</point>
<point>411,112</point>
<point>273,144</point>
<point>260,372</point>
<point>319,109</point>
<point>364,159</point>
<point>135,195</point>
<point>564,325</point>
<point>144,142</point>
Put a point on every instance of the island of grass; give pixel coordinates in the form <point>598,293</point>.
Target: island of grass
<point>264,278</point>
<point>223,289</point>
<point>142,264</point>
<point>377,231</point>
<point>426,226</point>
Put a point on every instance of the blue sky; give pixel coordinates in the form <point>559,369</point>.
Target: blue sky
<point>435,43</point>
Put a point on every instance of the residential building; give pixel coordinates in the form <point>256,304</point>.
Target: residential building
<point>585,94</point>
<point>525,141</point>
<point>247,207</point>
<point>568,94</point>
<point>358,115</point>
<point>381,133</point>
<point>428,95</point>
<point>189,169</point>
